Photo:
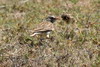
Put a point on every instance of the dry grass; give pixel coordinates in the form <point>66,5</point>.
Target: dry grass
<point>71,45</point>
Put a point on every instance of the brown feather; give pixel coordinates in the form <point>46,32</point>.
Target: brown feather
<point>44,26</point>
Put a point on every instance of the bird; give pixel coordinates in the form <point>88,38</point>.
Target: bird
<point>46,26</point>
<point>68,18</point>
<point>70,21</point>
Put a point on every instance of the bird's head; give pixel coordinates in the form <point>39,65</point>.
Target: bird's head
<point>68,18</point>
<point>65,17</point>
<point>52,19</point>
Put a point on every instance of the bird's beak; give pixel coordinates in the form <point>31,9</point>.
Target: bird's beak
<point>58,18</point>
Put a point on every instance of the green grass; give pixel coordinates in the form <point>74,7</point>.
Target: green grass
<point>71,45</point>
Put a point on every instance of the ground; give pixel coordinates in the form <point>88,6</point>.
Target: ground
<point>74,44</point>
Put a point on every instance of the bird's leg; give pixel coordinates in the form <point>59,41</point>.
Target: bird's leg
<point>48,34</point>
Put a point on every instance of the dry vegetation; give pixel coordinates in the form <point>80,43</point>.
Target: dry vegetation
<point>71,45</point>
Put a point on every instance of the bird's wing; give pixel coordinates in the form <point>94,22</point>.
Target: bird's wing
<point>44,26</point>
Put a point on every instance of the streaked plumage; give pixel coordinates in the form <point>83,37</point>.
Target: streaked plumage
<point>45,27</point>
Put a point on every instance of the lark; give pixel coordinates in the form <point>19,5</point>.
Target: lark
<point>68,18</point>
<point>47,26</point>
